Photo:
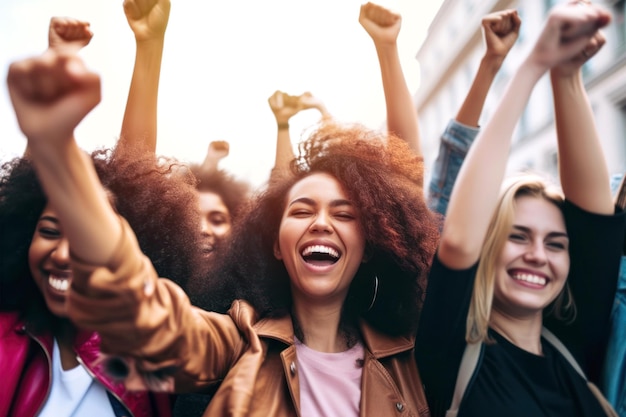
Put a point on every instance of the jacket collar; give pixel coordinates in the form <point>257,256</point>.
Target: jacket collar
<point>379,344</point>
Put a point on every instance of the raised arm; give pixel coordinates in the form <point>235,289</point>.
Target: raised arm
<point>68,34</point>
<point>51,94</point>
<point>567,31</point>
<point>582,167</point>
<point>218,150</point>
<point>284,107</point>
<point>148,21</point>
<point>500,31</point>
<point>383,26</point>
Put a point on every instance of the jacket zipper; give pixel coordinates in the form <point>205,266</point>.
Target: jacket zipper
<point>95,378</point>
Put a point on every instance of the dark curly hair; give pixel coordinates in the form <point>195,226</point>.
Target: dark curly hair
<point>160,207</point>
<point>383,178</point>
<point>234,193</point>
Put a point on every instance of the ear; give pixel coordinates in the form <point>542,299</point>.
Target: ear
<point>277,253</point>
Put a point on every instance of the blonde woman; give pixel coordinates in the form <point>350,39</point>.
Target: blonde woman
<point>510,256</point>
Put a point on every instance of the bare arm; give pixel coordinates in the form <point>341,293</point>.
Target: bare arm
<point>384,26</point>
<point>474,198</point>
<point>51,94</point>
<point>217,151</point>
<point>582,167</point>
<point>148,20</point>
<point>500,31</point>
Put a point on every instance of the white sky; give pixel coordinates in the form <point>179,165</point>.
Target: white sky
<point>222,60</point>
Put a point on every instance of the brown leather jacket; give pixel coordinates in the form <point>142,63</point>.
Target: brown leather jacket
<point>150,322</point>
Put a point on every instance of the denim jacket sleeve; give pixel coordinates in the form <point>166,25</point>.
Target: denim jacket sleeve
<point>614,379</point>
<point>455,143</point>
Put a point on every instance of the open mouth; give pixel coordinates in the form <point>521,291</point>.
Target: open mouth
<point>320,255</point>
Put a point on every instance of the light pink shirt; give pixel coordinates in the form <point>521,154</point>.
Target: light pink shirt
<point>330,383</point>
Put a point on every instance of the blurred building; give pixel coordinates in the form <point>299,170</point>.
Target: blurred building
<point>449,58</point>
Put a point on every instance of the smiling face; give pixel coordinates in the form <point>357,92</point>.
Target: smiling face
<point>216,222</point>
<point>534,263</point>
<point>320,241</point>
<point>49,262</point>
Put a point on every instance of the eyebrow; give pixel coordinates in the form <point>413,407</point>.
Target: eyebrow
<point>311,202</point>
<point>551,234</point>
<point>50,219</point>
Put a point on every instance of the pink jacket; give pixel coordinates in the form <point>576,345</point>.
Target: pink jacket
<point>25,369</point>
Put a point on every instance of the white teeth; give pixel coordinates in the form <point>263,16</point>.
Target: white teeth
<point>533,279</point>
<point>320,249</point>
<point>59,284</point>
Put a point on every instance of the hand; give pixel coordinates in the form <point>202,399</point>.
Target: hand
<point>568,31</point>
<point>147,18</point>
<point>572,66</point>
<point>68,34</point>
<point>284,106</point>
<point>381,24</point>
<point>309,101</point>
<point>51,94</point>
<point>218,149</point>
<point>500,31</point>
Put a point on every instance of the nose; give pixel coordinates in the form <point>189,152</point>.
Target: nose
<point>536,253</point>
<point>61,253</point>
<point>321,223</point>
<point>206,228</point>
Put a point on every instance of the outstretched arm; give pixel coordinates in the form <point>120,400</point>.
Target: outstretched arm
<point>566,32</point>
<point>383,26</point>
<point>582,167</point>
<point>148,21</point>
<point>500,31</point>
<point>51,94</point>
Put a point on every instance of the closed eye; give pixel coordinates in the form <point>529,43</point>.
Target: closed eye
<point>49,233</point>
<point>556,245</point>
<point>517,237</point>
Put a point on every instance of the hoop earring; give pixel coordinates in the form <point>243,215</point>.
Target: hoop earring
<point>375,293</point>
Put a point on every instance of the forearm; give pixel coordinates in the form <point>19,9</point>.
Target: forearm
<point>401,112</point>
<point>472,107</point>
<point>284,150</point>
<point>74,191</point>
<point>476,191</point>
<point>139,126</point>
<point>582,166</point>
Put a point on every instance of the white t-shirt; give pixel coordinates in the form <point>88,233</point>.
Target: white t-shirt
<point>330,383</point>
<point>74,393</point>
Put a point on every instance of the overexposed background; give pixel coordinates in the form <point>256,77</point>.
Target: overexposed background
<point>222,60</point>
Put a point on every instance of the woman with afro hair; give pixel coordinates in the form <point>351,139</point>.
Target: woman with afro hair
<point>329,265</point>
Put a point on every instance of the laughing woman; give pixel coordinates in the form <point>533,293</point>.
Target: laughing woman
<point>331,264</point>
<point>518,256</point>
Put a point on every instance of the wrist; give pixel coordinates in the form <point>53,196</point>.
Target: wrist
<point>283,125</point>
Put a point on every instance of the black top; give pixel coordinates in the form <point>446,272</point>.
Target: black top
<point>508,380</point>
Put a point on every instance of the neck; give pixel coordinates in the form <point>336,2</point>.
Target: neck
<point>320,328</point>
<point>65,335</point>
<point>525,333</point>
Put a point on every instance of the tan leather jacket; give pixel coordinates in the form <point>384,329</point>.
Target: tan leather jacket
<point>150,322</point>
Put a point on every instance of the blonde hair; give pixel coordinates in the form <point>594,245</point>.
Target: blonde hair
<point>497,234</point>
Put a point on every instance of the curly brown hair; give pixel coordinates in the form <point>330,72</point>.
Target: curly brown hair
<point>383,178</point>
<point>233,192</point>
<point>160,207</point>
